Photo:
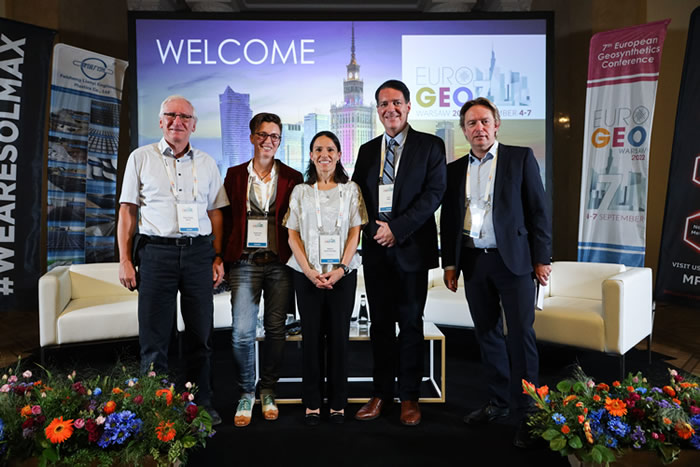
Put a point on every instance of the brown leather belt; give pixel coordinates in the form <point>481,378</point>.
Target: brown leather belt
<point>260,258</point>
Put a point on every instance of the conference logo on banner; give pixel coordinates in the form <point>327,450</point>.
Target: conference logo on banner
<point>623,71</point>
<point>86,92</point>
<point>678,274</point>
<point>25,54</point>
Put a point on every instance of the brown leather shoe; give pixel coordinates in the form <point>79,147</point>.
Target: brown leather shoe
<point>410,413</point>
<point>371,409</point>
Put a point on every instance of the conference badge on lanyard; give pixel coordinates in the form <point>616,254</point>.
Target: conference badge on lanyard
<point>188,217</point>
<point>257,233</point>
<point>475,221</point>
<point>386,195</point>
<point>330,249</point>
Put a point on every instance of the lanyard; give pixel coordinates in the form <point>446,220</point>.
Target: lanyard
<point>396,158</point>
<point>319,223</point>
<point>172,179</point>
<point>267,190</point>
<point>488,183</point>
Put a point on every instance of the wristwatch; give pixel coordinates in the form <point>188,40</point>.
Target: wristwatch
<point>346,270</point>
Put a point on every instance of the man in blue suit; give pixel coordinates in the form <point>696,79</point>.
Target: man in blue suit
<point>495,228</point>
<point>402,177</point>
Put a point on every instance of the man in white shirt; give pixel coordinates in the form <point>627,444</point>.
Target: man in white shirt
<point>172,193</point>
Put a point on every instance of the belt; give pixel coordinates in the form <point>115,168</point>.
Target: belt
<point>478,251</point>
<point>178,241</point>
<point>260,258</point>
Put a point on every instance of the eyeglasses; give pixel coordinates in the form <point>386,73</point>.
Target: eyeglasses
<point>173,116</point>
<point>385,104</point>
<point>274,137</point>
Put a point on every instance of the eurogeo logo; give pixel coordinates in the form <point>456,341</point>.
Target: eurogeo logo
<point>443,85</point>
<point>615,126</point>
<point>93,68</point>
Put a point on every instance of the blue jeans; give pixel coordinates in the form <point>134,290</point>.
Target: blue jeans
<point>248,281</point>
<point>164,270</point>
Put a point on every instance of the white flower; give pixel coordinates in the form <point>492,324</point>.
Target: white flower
<point>5,388</point>
<point>152,374</point>
<point>4,377</point>
<point>27,374</point>
<point>100,420</point>
<point>131,383</point>
<point>43,394</point>
<point>190,397</point>
<point>188,385</point>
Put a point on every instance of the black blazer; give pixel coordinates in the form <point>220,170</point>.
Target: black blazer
<point>418,191</point>
<point>521,218</point>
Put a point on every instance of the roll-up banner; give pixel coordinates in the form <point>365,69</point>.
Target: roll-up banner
<point>86,92</point>
<point>25,55</point>
<point>678,274</point>
<point>623,70</point>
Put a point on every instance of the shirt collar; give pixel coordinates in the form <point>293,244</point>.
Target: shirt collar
<point>255,176</point>
<point>400,138</point>
<point>493,151</point>
<point>166,150</point>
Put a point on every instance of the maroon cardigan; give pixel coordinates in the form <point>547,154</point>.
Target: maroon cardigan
<point>234,215</point>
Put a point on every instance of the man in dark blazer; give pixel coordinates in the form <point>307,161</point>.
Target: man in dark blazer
<point>495,228</point>
<point>402,177</point>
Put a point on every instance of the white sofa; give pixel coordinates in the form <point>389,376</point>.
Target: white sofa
<point>602,307</point>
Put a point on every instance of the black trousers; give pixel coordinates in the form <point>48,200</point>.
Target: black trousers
<point>488,284</point>
<point>395,296</point>
<point>325,327</point>
<point>163,270</point>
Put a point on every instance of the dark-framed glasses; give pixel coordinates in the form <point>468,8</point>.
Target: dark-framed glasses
<point>174,115</point>
<point>274,137</point>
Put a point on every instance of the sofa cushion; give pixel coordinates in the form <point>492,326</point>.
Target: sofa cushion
<point>96,280</point>
<point>446,307</point>
<point>571,321</point>
<point>581,280</point>
<point>97,318</point>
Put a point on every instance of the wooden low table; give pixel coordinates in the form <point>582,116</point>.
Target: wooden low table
<point>432,335</point>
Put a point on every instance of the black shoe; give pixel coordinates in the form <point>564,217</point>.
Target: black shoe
<point>486,414</point>
<point>523,438</point>
<point>312,419</point>
<point>337,418</point>
<point>215,417</point>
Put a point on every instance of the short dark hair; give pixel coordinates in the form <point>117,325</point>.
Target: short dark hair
<point>393,84</point>
<point>479,101</point>
<point>340,175</point>
<point>258,120</point>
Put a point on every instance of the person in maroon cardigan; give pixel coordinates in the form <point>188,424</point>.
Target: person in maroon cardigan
<point>256,249</point>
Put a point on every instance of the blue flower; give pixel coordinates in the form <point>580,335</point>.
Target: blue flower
<point>663,403</point>
<point>695,421</point>
<point>119,427</point>
<point>618,427</point>
<point>97,391</point>
<point>655,389</point>
<point>638,436</point>
<point>695,442</point>
<point>2,430</point>
<point>610,442</point>
<point>641,390</point>
<point>558,418</point>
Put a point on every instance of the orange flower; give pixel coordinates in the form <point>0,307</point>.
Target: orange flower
<point>685,385</point>
<point>543,391</point>
<point>565,429</point>
<point>581,418</point>
<point>615,407</point>
<point>568,399</point>
<point>630,388</point>
<point>587,431</point>
<point>168,395</point>
<point>603,387</point>
<point>684,430</point>
<point>667,421</point>
<point>116,391</point>
<point>596,397</point>
<point>528,386</point>
<point>110,407</point>
<point>59,430</point>
<point>669,390</point>
<point>579,404</point>
<point>616,384</point>
<point>165,431</point>
<point>26,411</point>
<point>676,401</point>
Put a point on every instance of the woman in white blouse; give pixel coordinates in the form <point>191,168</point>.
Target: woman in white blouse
<point>324,220</point>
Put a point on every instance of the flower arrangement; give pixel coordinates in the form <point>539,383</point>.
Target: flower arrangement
<point>596,421</point>
<point>98,421</point>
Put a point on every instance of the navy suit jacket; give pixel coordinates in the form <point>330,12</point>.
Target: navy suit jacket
<point>521,218</point>
<point>418,191</point>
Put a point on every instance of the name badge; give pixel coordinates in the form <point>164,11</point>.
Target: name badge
<point>477,221</point>
<point>257,233</point>
<point>330,249</point>
<point>187,217</point>
<point>386,195</point>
